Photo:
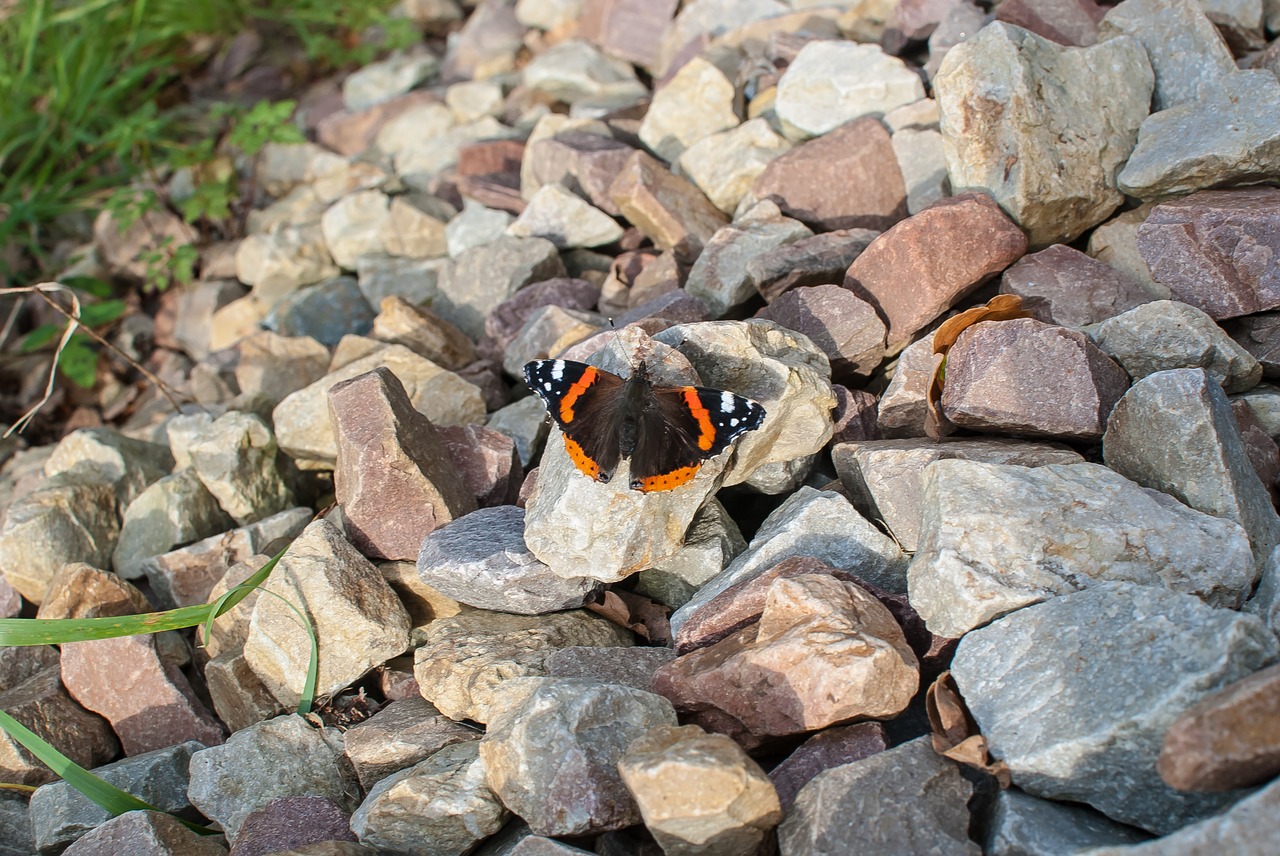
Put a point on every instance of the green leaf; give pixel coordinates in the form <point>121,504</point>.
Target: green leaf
<point>78,362</point>
<point>106,795</point>
<point>96,314</point>
<point>40,337</point>
<point>89,285</point>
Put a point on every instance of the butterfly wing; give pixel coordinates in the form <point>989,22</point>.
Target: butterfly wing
<point>686,426</point>
<point>585,402</point>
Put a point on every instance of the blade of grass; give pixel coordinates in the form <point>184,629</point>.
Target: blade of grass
<point>106,795</point>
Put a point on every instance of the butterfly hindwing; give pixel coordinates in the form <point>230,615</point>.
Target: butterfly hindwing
<point>686,426</point>
<point>585,402</point>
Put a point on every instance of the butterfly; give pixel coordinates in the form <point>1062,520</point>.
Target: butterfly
<point>666,431</point>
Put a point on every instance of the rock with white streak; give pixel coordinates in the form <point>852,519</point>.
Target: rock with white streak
<point>1075,694</point>
<point>983,550</point>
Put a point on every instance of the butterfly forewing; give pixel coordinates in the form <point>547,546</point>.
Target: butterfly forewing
<point>585,402</point>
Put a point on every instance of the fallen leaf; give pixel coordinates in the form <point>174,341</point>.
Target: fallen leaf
<point>955,733</point>
<point>641,615</point>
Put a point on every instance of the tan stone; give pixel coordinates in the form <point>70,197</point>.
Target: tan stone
<point>420,330</point>
<point>669,210</point>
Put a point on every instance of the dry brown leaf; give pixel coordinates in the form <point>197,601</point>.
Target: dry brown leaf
<point>955,734</point>
<point>645,617</point>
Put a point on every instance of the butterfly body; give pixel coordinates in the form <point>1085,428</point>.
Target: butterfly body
<point>667,432</point>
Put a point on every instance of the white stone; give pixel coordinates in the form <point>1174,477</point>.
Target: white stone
<point>382,81</point>
<point>575,69</point>
<point>695,103</point>
<point>830,83</point>
<point>353,226</point>
<point>474,226</point>
<point>565,220</point>
<point>924,167</point>
<point>725,165</point>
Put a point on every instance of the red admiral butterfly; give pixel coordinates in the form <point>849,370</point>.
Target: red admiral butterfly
<point>666,431</point>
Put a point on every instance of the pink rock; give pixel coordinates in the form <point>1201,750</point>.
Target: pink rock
<point>1067,22</point>
<point>855,415</point>
<point>824,750</point>
<point>351,133</point>
<point>1063,286</point>
<point>627,29</point>
<point>487,463</point>
<point>839,322</point>
<point>585,163</point>
<point>289,823</point>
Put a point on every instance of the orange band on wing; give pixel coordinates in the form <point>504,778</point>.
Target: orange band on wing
<point>667,481</point>
<point>706,431</point>
<point>575,392</point>
<point>580,459</point>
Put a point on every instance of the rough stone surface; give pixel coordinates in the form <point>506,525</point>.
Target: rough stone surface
<point>1217,250</point>
<point>885,478</point>
<point>398,736</point>
<point>1021,824</point>
<point>399,322</point>
<point>144,833</point>
<point>696,102</point>
<point>481,560</point>
<point>824,652</point>
<point>819,260</point>
<point>1199,457</point>
<point>282,757</point>
<point>726,164</point>
<point>1166,334</point>
<point>843,325</point>
<point>487,461</point>
<point>1023,376</point>
<point>632,667</point>
<point>666,208</point>
<point>485,275</point>
<point>1093,732</point>
<point>1064,286</point>
<point>468,658</point>
<point>42,705</point>
<point>906,800</point>
<point>831,747</point>
<point>292,824</point>
<point>923,162</point>
<point>394,480</point>
<point>699,793</point>
<point>833,82</point>
<point>923,266</point>
<point>846,179</point>
<point>1226,740</point>
<point>235,459</point>
<point>551,754</point>
<point>1049,160</point>
<point>982,551</point>
<point>719,277</point>
<point>359,621</point>
<point>564,219</point>
<point>1260,336</point>
<point>441,806</point>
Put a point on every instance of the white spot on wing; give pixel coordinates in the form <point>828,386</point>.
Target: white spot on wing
<point>727,402</point>
<point>557,370</point>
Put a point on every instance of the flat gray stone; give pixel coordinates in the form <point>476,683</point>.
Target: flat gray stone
<point>481,560</point>
<point>719,277</point>
<point>1174,431</point>
<point>1075,694</point>
<point>1023,825</point>
<point>484,276</point>
<point>398,736</point>
<point>145,833</point>
<point>326,311</point>
<point>997,538</point>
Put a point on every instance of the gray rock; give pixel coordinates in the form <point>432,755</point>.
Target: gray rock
<point>1260,336</point>
<point>1249,826</point>
<point>481,560</point>
<point>1231,136</point>
<point>525,422</point>
<point>1064,286</point>
<point>475,226</point>
<point>415,227</point>
<point>884,478</point>
<point>904,406</point>
<point>399,736</point>
<point>353,226</point>
<point>632,667</point>
<point>69,517</point>
<point>1023,825</point>
<point>719,277</point>
<point>1080,128</point>
<point>358,619</point>
<point>172,512</point>
<point>441,806</point>
<point>712,541</point>
<point>814,523</point>
<point>1165,334</point>
<point>575,70</point>
<point>325,312</point>
<point>548,331</point>
<point>1075,694</point>
<point>1188,57</point>
<point>282,757</point>
<point>566,220</point>
<point>383,80</point>
<point>833,82</point>
<point>552,755</point>
<point>484,276</point>
<point>60,814</point>
<point>415,280</point>
<point>1174,431</point>
<point>908,799</point>
<point>145,833</point>
<point>277,262</point>
<point>923,161</point>
<point>996,538</point>
<point>16,838</point>
<point>127,464</point>
<point>468,660</point>
<point>235,459</point>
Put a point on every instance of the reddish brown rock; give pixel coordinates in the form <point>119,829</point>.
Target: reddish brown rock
<point>1260,336</point>
<point>677,306</point>
<point>42,705</point>
<point>823,652</point>
<point>1060,285</point>
<point>627,29</point>
<point>915,20</point>
<point>820,260</point>
<point>1067,22</point>
<point>394,478</point>
<point>82,591</point>
<point>420,330</point>
<point>486,461</point>
<point>585,163</point>
<point>1026,377</point>
<point>824,750</point>
<point>1218,250</point>
<point>504,323</point>
<point>500,190</point>
<point>351,133</point>
<point>488,157</point>
<point>1263,453</point>
<point>839,322</point>
<point>926,264</point>
<point>669,210</point>
<point>1230,739</point>
<point>846,179</point>
<point>855,415</point>
<point>288,823</point>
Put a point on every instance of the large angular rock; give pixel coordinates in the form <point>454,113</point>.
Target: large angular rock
<point>666,208</point>
<point>831,747</point>
<point>996,538</point>
<point>844,326</point>
<point>172,512</point>
<point>398,736</point>
<point>719,277</point>
<point>144,833</point>
<point>906,800</point>
<point>235,458</point>
<point>484,276</point>
<point>833,82</point>
<point>43,706</point>
<point>725,165</point>
<point>1050,159</point>
<point>1023,376</point>
<point>819,260</point>
<point>551,754</point>
<point>1022,824</point>
<point>1174,431</point>
<point>923,266</point>
<point>1217,250</point>
<point>1064,286</point>
<point>359,621</point>
<point>1075,693</point>
<point>696,102</point>
<point>127,464</point>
